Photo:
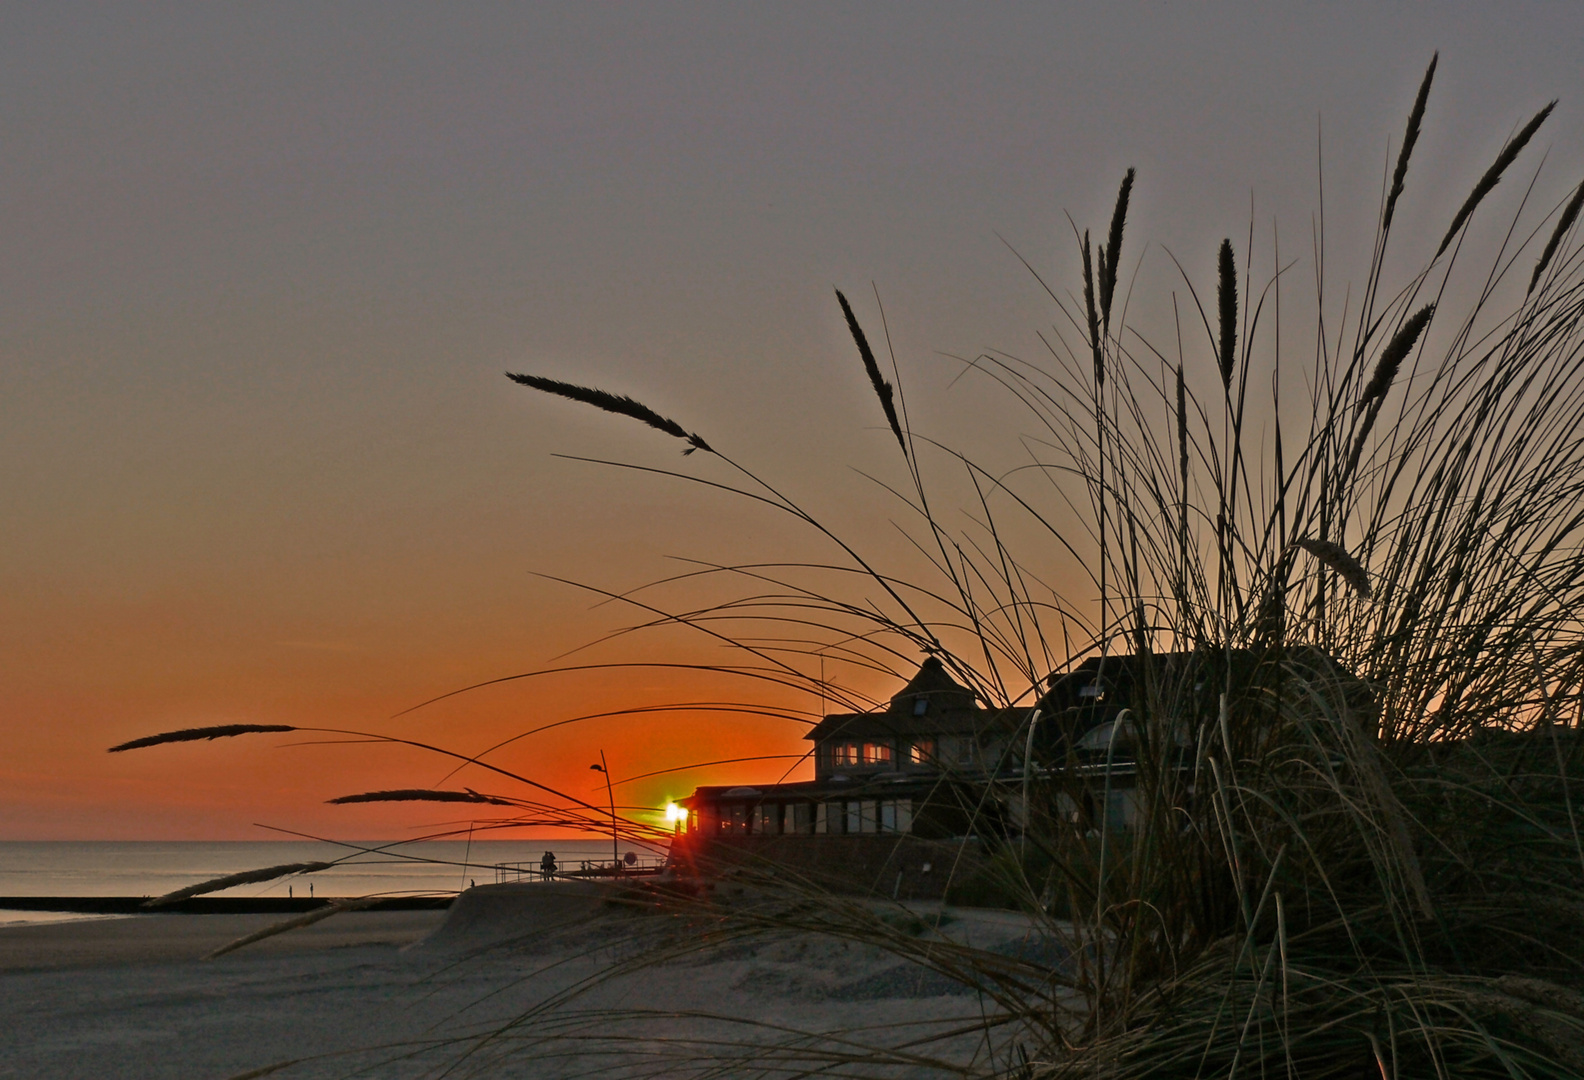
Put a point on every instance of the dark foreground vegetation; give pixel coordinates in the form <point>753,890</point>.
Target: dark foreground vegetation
<point>1319,882</point>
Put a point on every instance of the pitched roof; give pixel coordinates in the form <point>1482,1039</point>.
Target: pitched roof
<point>950,708</point>
<point>936,684</point>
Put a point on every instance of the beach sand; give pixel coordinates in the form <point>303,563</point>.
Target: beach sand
<point>390,994</point>
<point>142,939</point>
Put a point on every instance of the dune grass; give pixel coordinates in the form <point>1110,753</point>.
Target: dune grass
<point>1317,885</point>
<point>1320,883</point>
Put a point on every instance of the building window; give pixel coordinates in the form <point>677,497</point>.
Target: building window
<point>822,819</point>
<point>876,753</point>
<point>800,818</point>
<point>922,752</point>
<point>854,817</point>
<point>957,749</point>
<point>920,706</point>
<point>868,815</point>
<point>844,754</point>
<point>896,816</point>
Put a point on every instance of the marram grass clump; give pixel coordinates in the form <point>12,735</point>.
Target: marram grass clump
<point>1356,848</point>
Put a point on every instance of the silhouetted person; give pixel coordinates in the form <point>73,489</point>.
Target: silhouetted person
<point>547,865</point>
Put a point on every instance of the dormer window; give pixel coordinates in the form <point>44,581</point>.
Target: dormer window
<point>920,706</point>
<point>922,752</point>
<point>876,753</point>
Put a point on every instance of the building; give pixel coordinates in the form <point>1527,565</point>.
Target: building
<point>890,771</point>
<point>936,774</point>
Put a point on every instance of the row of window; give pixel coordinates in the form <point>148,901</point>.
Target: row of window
<point>838,817</point>
<point>860,753</point>
<point>880,754</point>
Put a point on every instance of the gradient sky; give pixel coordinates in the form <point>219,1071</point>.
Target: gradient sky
<point>265,265</point>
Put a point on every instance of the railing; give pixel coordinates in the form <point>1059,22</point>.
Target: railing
<point>630,865</point>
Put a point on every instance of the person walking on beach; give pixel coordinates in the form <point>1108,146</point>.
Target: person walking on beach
<point>547,865</point>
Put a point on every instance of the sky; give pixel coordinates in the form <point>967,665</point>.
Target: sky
<point>267,264</point>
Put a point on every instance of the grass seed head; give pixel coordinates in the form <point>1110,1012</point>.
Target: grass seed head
<point>420,795</point>
<point>218,731</point>
<point>1089,307</point>
<point>1226,295</point>
<point>1112,252</point>
<point>1564,223</point>
<point>1410,137</point>
<point>883,390</point>
<point>1337,558</point>
<point>1392,356</point>
<point>246,877</point>
<point>1493,175</point>
<point>612,403</point>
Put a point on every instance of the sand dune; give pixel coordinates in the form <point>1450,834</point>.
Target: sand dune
<point>390,993</point>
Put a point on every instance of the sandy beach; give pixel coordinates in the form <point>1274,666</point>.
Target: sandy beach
<point>115,942</point>
<point>398,994</point>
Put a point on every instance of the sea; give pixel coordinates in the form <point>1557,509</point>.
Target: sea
<point>363,868</point>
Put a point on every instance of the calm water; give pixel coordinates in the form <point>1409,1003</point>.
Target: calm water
<point>151,868</point>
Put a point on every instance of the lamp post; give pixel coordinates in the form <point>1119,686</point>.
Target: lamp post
<point>615,853</point>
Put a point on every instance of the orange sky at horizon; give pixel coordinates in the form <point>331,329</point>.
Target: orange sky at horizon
<point>217,789</point>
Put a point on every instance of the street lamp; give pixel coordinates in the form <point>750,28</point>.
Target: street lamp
<point>615,853</point>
